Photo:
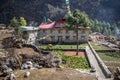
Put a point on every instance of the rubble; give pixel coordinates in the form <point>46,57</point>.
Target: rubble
<point>3,54</point>
<point>27,74</point>
<point>117,73</point>
<point>27,65</point>
<point>11,59</point>
<point>48,60</point>
<point>10,76</point>
<point>5,70</point>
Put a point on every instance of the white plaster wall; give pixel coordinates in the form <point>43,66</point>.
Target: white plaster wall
<point>55,33</point>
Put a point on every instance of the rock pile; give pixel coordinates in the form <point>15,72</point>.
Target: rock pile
<point>117,74</point>
<point>45,59</point>
<point>48,59</point>
<point>13,60</point>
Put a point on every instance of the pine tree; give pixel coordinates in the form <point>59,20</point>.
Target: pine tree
<point>76,19</point>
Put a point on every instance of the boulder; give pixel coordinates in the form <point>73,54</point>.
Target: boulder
<point>27,74</point>
<point>27,65</point>
<point>10,76</point>
<point>48,59</point>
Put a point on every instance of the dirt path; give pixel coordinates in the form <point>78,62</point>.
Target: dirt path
<point>55,74</point>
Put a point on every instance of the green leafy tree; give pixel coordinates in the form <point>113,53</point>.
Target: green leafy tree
<point>14,22</point>
<point>23,21</point>
<point>75,20</point>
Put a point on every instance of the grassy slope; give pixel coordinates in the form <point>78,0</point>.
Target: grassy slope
<point>110,56</point>
<point>99,47</point>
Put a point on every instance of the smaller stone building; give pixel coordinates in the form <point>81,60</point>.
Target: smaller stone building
<point>29,33</point>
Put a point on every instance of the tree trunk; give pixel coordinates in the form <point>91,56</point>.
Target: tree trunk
<point>77,41</point>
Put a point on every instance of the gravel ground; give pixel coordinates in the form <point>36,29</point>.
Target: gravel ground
<point>54,74</point>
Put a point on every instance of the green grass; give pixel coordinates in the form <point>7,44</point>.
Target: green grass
<point>1,50</point>
<point>110,56</point>
<point>98,47</point>
<point>73,62</point>
<point>64,46</point>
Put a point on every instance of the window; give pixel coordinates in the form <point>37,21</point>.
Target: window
<point>83,31</point>
<point>24,32</point>
<point>51,31</point>
<point>66,31</point>
<point>59,38</point>
<point>67,37</point>
<point>52,37</point>
<point>74,38</point>
<point>82,37</point>
<point>59,31</point>
<point>44,31</point>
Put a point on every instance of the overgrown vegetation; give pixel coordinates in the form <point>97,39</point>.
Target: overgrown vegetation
<point>16,23</point>
<point>111,59</point>
<point>98,47</point>
<point>110,56</point>
<point>104,27</point>
<point>72,61</point>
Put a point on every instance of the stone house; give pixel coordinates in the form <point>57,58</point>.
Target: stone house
<point>56,32</point>
<point>29,34</point>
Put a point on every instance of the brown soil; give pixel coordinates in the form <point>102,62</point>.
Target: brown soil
<point>5,34</point>
<point>54,74</point>
<point>25,50</point>
<point>73,53</point>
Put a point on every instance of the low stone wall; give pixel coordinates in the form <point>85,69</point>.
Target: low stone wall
<point>65,49</point>
<point>104,68</point>
<point>89,57</point>
<point>105,50</point>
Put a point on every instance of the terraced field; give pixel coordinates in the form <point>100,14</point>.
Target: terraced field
<point>99,47</point>
<point>111,59</point>
<point>71,61</point>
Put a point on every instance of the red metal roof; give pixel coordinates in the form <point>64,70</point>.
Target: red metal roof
<point>46,25</point>
<point>61,20</point>
<point>56,24</point>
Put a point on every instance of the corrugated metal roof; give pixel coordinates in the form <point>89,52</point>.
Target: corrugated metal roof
<point>46,25</point>
<point>28,28</point>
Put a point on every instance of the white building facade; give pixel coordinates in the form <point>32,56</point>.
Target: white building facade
<point>57,32</point>
<point>29,34</point>
<point>62,35</point>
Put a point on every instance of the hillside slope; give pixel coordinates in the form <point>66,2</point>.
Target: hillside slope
<point>34,10</point>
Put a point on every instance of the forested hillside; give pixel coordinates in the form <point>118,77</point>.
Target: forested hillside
<point>34,10</point>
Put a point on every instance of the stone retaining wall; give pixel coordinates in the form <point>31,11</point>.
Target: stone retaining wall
<point>105,50</point>
<point>89,57</point>
<point>65,49</point>
<point>104,68</point>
